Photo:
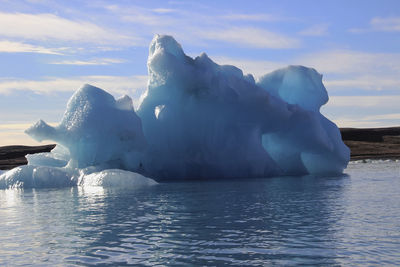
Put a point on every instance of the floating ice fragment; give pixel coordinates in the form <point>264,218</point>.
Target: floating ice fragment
<point>36,177</point>
<point>115,178</point>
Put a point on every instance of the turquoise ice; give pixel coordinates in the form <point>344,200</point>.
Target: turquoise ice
<point>196,120</point>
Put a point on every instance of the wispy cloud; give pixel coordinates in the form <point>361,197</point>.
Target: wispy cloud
<point>353,62</point>
<point>366,82</point>
<point>380,24</point>
<point>19,126</point>
<point>391,116</point>
<point>253,17</point>
<point>16,137</point>
<point>13,134</point>
<point>251,37</point>
<point>363,122</point>
<point>164,10</point>
<point>131,85</point>
<point>389,24</point>
<point>341,68</point>
<point>387,101</point>
<point>350,62</point>
<point>18,47</point>
<point>14,126</point>
<point>382,120</point>
<point>97,61</point>
<point>44,27</point>
<point>332,61</point>
<point>254,67</point>
<point>363,111</point>
<point>145,16</point>
<point>354,69</point>
<point>201,26</point>
<point>315,30</point>
<point>150,20</point>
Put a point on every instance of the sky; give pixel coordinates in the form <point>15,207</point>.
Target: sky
<point>48,49</point>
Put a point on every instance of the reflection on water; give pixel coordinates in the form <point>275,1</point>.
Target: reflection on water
<point>288,220</point>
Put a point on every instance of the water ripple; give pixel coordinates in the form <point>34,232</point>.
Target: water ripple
<point>283,221</point>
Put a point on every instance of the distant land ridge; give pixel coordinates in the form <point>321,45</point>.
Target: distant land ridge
<point>372,143</point>
<point>13,156</point>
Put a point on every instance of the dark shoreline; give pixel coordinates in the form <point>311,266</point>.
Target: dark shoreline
<point>13,156</point>
<point>372,143</point>
<point>368,143</point>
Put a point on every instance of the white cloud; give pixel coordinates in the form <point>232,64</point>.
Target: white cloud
<point>363,111</point>
<point>164,10</point>
<point>254,67</point>
<point>341,69</point>
<point>387,101</point>
<point>119,85</point>
<point>150,20</point>
<point>391,116</point>
<point>148,17</point>
<point>44,27</point>
<point>201,26</point>
<point>348,122</point>
<point>383,120</point>
<point>379,24</point>
<point>17,137</point>
<point>13,134</point>
<point>367,82</point>
<point>356,70</point>
<point>17,47</point>
<point>253,17</point>
<point>97,61</point>
<point>350,62</point>
<point>315,30</point>
<point>390,24</point>
<point>251,37</point>
<point>19,126</point>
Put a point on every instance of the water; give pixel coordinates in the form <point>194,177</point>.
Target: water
<point>349,220</point>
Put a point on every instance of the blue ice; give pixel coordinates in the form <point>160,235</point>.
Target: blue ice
<point>197,120</point>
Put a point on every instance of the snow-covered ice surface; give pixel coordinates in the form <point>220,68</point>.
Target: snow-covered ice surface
<point>197,120</point>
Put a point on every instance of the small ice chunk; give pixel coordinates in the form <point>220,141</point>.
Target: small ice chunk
<point>115,178</point>
<point>30,176</point>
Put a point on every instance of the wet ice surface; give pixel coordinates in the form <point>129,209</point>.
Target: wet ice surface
<point>344,220</point>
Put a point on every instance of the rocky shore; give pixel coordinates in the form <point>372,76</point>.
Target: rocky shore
<point>372,143</point>
<point>13,156</point>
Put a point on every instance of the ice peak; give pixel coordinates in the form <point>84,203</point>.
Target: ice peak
<point>165,43</point>
<point>296,85</point>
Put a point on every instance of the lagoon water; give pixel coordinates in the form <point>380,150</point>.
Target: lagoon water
<point>353,219</point>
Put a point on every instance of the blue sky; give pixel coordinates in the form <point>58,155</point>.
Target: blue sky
<point>48,49</point>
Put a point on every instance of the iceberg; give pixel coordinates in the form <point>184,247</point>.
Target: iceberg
<point>196,120</point>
